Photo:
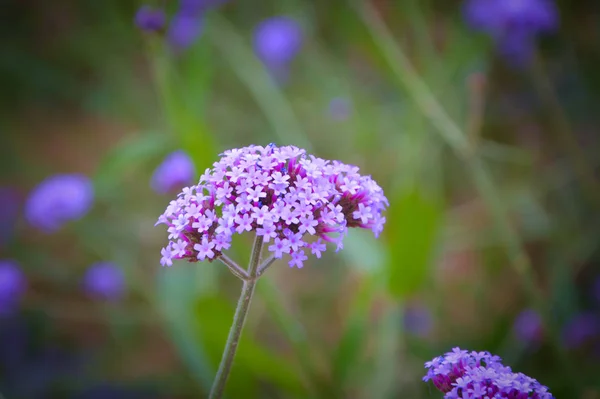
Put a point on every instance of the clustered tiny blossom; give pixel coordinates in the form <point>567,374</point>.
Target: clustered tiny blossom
<point>281,194</point>
<point>462,374</point>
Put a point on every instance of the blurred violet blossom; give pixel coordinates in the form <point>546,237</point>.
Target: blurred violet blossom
<point>176,171</point>
<point>281,194</point>
<point>418,320</point>
<point>10,202</point>
<point>277,41</point>
<point>528,327</point>
<point>461,374</point>
<point>104,280</point>
<point>340,108</point>
<point>513,24</point>
<point>581,329</point>
<point>12,286</point>
<point>188,23</point>
<point>150,19</point>
<point>185,26</point>
<point>59,199</point>
<point>184,29</point>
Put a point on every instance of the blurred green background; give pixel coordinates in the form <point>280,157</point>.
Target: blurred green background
<point>491,172</point>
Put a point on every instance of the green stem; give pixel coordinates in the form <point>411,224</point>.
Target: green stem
<point>234,268</point>
<point>239,318</point>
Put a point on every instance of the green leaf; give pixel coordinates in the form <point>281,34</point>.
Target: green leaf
<point>348,360</point>
<point>183,92</point>
<point>177,289</point>
<point>414,221</point>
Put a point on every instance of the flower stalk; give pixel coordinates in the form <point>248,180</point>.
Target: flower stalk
<point>239,319</point>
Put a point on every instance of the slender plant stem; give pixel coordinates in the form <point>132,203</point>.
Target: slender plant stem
<point>265,265</point>
<point>234,268</point>
<point>239,318</point>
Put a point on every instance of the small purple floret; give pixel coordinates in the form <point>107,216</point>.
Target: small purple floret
<point>280,193</point>
<point>176,171</point>
<point>12,285</point>
<point>476,375</point>
<point>277,40</point>
<point>150,19</point>
<point>57,200</point>
<point>104,280</point>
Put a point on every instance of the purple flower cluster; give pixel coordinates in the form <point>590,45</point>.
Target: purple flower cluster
<point>528,327</point>
<point>176,171</point>
<point>281,194</point>
<point>185,26</point>
<point>513,24</point>
<point>103,280</point>
<point>12,285</point>
<point>150,19</point>
<point>461,374</point>
<point>59,199</point>
<point>277,40</point>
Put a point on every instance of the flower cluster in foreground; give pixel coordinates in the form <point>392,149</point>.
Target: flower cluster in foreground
<point>461,374</point>
<point>281,194</point>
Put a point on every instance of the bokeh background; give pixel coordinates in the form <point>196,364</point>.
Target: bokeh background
<point>480,122</point>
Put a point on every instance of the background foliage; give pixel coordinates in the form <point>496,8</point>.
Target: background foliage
<point>491,172</point>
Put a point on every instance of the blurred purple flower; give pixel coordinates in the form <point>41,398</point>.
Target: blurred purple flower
<point>340,108</point>
<point>9,209</point>
<point>581,329</point>
<point>150,19</point>
<point>104,280</point>
<point>513,24</point>
<point>12,286</point>
<point>184,30</point>
<point>195,7</point>
<point>418,320</point>
<point>528,327</point>
<point>59,199</point>
<point>176,171</point>
<point>277,40</point>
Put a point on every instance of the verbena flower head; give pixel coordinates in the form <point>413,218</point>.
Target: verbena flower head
<point>277,40</point>
<point>104,280</point>
<point>12,285</point>
<point>480,375</point>
<point>150,19</point>
<point>281,194</point>
<point>513,24</point>
<point>176,171</point>
<point>528,326</point>
<point>59,199</point>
